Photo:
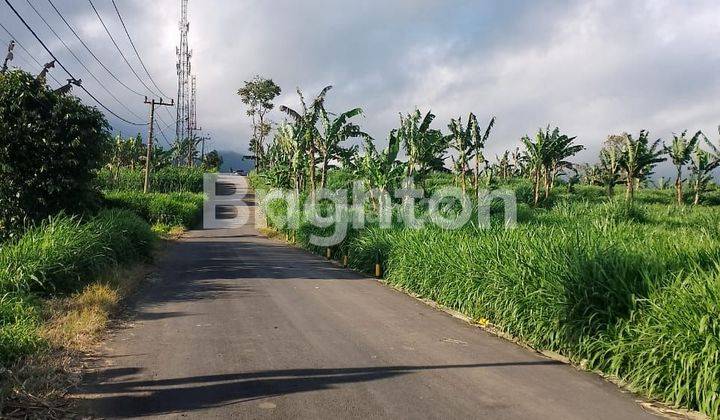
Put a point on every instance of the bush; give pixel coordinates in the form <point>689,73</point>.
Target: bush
<point>176,209</point>
<point>165,180</point>
<point>51,145</point>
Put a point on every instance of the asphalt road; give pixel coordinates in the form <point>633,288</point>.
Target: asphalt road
<point>241,326</point>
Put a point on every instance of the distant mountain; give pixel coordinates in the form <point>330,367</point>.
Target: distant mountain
<point>235,161</point>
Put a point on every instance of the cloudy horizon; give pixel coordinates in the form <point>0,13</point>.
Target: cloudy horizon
<point>592,68</point>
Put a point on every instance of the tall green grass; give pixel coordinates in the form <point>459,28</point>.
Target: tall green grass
<point>631,290</point>
<point>59,257</point>
<point>175,209</point>
<point>165,180</point>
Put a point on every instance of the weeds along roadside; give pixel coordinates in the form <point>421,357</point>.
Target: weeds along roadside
<point>62,281</point>
<point>630,291</point>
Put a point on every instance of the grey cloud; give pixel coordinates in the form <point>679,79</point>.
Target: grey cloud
<point>591,67</point>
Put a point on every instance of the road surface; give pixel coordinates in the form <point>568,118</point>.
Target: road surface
<point>240,326</point>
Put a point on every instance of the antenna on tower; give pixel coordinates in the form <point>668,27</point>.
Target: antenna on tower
<point>182,123</point>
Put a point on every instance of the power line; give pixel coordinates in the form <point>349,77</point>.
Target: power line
<point>136,51</point>
<point>90,72</point>
<point>119,50</point>
<point>92,53</point>
<point>142,63</point>
<point>66,70</point>
<point>26,51</point>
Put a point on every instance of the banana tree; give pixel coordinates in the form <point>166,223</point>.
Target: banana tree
<point>306,124</point>
<point>561,147</point>
<point>381,170</point>
<point>609,167</point>
<point>478,139</point>
<point>546,156</point>
<point>534,156</point>
<point>702,163</point>
<point>335,132</point>
<point>425,148</point>
<point>638,157</point>
<point>459,138</point>
<point>680,152</point>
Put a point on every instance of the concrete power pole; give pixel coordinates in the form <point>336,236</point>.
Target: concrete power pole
<point>153,103</point>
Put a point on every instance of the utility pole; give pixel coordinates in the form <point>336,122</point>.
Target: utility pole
<point>153,103</point>
<point>9,56</point>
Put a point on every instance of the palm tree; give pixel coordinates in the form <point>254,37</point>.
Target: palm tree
<point>306,125</point>
<point>335,132</point>
<point>637,159</point>
<point>680,152</point>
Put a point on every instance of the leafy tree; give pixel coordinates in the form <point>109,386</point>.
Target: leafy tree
<point>212,161</point>
<point>51,146</point>
<point>258,94</point>
<point>638,158</point>
<point>680,152</point>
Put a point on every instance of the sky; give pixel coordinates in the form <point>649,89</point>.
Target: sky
<point>592,68</point>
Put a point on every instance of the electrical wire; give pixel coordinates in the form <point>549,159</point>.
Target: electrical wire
<point>119,50</point>
<point>142,63</point>
<point>136,51</point>
<point>66,70</point>
<point>90,72</point>
<point>92,53</point>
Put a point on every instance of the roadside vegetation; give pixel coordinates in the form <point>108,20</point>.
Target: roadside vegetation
<point>609,265</point>
<point>76,233</point>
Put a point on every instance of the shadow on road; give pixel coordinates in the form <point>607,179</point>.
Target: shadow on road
<point>122,398</point>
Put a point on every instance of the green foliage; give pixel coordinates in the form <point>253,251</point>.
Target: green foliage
<point>175,209</point>
<point>212,161</point>
<point>258,94</point>
<point>19,321</point>
<point>165,180</point>
<point>631,289</point>
<point>670,347</point>
<point>64,253</point>
<point>50,147</point>
<point>59,257</point>
<point>425,147</point>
